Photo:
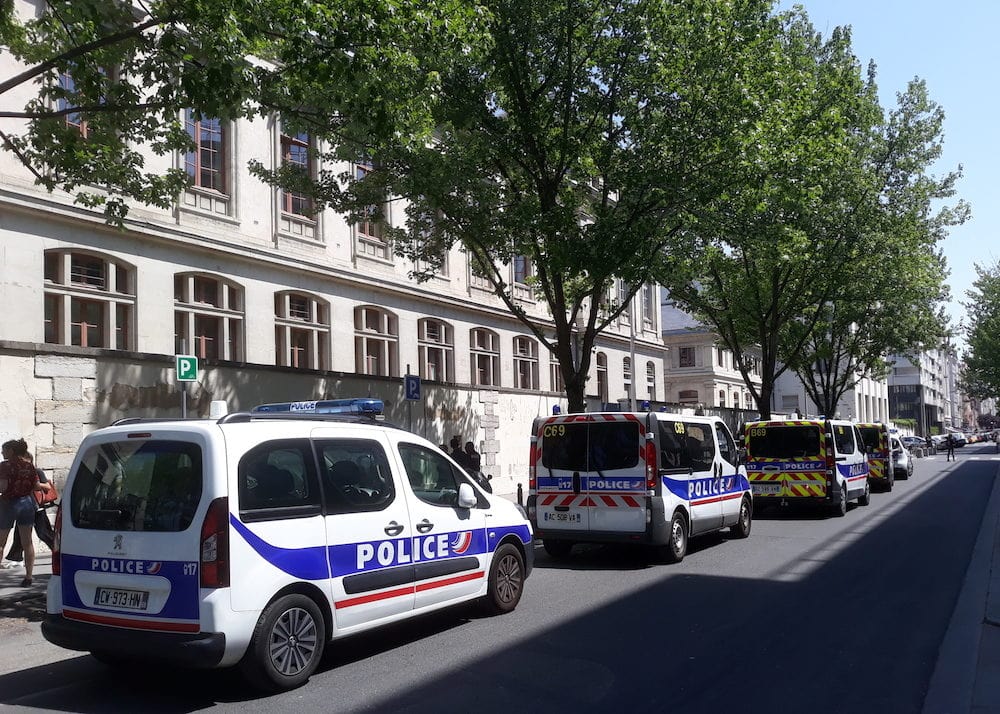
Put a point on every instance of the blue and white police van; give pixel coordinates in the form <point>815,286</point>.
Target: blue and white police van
<point>635,477</point>
<point>256,538</point>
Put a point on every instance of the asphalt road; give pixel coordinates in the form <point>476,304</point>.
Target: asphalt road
<point>811,613</point>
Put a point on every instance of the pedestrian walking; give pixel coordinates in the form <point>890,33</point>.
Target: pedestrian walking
<point>950,444</point>
<point>17,502</point>
<point>43,526</point>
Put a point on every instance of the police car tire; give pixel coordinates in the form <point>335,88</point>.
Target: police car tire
<point>741,529</point>
<point>260,668</point>
<point>506,580</point>
<point>840,509</point>
<point>865,498</point>
<point>890,480</point>
<point>677,543</point>
<point>557,548</point>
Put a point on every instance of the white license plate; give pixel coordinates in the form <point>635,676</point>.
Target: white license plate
<point>766,489</point>
<point>122,599</point>
<point>562,517</point>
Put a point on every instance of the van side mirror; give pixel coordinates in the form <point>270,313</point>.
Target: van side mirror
<point>466,496</point>
<point>741,456</point>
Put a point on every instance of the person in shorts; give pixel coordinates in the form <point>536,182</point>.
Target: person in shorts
<point>43,526</point>
<point>17,502</point>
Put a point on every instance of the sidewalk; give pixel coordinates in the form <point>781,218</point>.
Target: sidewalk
<point>966,677</point>
<point>10,578</point>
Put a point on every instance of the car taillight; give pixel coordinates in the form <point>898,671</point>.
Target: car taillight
<point>532,462</point>
<point>650,466</point>
<point>215,545</point>
<point>57,544</point>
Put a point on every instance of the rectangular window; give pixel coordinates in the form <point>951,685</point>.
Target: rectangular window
<point>205,165</point>
<point>295,153</point>
<point>53,319</point>
<point>123,326</point>
<point>85,270</point>
<point>206,336</point>
<point>686,357</point>
<point>87,323</point>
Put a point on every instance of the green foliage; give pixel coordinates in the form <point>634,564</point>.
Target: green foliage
<point>981,374</point>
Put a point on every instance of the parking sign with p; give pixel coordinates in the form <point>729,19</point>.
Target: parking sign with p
<point>187,368</point>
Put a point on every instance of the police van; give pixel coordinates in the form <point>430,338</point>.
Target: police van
<point>819,461</point>
<point>634,477</point>
<point>256,538</point>
<point>881,466</point>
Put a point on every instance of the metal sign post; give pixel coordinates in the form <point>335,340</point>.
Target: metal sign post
<point>411,390</point>
<point>186,368</point>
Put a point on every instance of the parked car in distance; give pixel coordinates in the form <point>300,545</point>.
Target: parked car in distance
<point>912,442</point>
<point>902,460</point>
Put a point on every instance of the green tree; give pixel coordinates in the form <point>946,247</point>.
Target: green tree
<point>582,138</point>
<point>803,260</point>
<point>981,373</point>
<point>127,71</point>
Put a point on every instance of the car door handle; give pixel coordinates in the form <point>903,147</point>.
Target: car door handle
<point>393,529</point>
<point>424,526</point>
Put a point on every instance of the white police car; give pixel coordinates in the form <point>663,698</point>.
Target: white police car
<point>256,538</point>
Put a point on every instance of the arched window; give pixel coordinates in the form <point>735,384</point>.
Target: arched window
<point>89,300</point>
<point>301,331</point>
<point>208,316</point>
<point>376,342</point>
<point>484,353</point>
<point>436,349</point>
<point>525,363</point>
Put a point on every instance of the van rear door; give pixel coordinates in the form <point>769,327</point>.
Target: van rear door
<point>131,529</point>
<point>591,474</point>
<point>787,459</point>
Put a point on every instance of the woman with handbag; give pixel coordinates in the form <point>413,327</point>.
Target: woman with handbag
<point>43,526</point>
<point>17,502</point>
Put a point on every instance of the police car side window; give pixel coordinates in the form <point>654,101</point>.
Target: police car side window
<point>727,447</point>
<point>432,477</point>
<point>844,436</point>
<point>686,445</point>
<point>277,479</point>
<point>356,475</point>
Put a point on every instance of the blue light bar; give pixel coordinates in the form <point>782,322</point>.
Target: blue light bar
<point>367,407</point>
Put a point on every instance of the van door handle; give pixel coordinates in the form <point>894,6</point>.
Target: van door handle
<point>424,526</point>
<point>393,529</point>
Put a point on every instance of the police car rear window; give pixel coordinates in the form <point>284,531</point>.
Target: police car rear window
<point>783,442</point>
<point>870,434</point>
<point>590,446</point>
<point>137,486</point>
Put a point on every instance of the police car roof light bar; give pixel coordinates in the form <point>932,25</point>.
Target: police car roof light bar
<point>365,406</point>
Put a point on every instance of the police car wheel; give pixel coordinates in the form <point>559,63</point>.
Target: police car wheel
<point>840,509</point>
<point>676,547</point>
<point>865,498</point>
<point>287,644</point>
<point>741,529</point>
<point>506,581</point>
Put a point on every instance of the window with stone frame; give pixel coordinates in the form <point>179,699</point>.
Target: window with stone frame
<point>89,300</point>
<point>436,350</point>
<point>370,228</point>
<point>602,377</point>
<point>297,152</point>
<point>686,357</point>
<point>556,381</point>
<point>484,354</point>
<point>651,381</point>
<point>208,317</point>
<point>301,330</point>
<point>525,363</point>
<point>376,341</point>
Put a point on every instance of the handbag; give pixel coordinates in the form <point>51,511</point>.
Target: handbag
<point>44,498</point>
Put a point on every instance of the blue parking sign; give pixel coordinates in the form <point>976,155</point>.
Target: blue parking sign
<point>411,387</point>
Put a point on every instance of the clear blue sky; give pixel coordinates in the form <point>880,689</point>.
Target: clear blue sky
<point>953,46</point>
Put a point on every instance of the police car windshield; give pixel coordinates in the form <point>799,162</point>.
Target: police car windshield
<point>783,442</point>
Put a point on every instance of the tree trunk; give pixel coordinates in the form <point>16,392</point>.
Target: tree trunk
<point>576,394</point>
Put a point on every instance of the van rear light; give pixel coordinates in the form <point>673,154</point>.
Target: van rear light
<point>215,545</point>
<point>57,543</point>
<point>650,458</point>
<point>532,464</point>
